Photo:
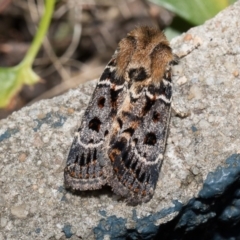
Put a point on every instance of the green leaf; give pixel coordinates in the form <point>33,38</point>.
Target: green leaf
<point>11,81</point>
<point>195,11</point>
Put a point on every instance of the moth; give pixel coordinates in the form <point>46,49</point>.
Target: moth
<point>122,137</point>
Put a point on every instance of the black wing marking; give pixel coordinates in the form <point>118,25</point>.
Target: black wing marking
<point>87,166</point>
<point>137,147</point>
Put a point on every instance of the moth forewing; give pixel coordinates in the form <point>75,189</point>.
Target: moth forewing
<point>138,136</point>
<point>87,165</point>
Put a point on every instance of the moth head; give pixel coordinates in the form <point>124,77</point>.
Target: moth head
<point>144,54</point>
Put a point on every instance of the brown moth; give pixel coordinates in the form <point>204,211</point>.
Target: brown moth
<point>123,133</point>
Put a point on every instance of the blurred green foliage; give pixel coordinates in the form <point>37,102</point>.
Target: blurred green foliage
<point>190,13</point>
<point>13,78</point>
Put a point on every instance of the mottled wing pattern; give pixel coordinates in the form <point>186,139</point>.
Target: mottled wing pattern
<point>87,166</point>
<point>137,150</point>
<point>138,137</point>
<point>122,137</point>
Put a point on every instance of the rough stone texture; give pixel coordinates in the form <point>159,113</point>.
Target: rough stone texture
<point>35,141</point>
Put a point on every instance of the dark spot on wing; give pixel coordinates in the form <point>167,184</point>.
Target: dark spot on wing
<point>95,124</point>
<point>156,116</point>
<point>150,139</point>
<point>114,97</point>
<point>101,102</point>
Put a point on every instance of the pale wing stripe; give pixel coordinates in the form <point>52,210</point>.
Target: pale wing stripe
<point>89,145</point>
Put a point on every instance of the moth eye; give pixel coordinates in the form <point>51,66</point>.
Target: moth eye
<point>106,133</point>
<point>95,124</point>
<point>156,116</point>
<point>101,102</point>
<point>150,139</point>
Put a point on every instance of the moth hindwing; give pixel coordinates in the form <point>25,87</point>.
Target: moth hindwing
<point>122,137</point>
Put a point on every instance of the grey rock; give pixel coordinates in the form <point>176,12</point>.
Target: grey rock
<point>19,211</point>
<point>195,177</point>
